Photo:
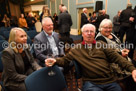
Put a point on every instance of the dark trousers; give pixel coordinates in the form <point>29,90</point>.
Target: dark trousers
<point>65,35</point>
<point>89,86</point>
<point>123,30</point>
<point>20,87</point>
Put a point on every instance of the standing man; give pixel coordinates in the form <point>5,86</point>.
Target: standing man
<point>105,15</point>
<point>127,26</point>
<point>64,23</point>
<point>127,23</point>
<point>31,21</point>
<point>84,19</point>
<point>47,42</point>
<point>60,8</point>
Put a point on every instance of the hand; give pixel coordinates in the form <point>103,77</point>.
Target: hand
<point>131,19</point>
<point>50,62</point>
<point>125,52</point>
<point>134,75</point>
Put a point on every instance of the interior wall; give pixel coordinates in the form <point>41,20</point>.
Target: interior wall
<point>14,9</point>
<point>112,6</point>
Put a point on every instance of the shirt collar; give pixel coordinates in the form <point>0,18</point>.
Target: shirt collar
<point>47,34</point>
<point>83,42</point>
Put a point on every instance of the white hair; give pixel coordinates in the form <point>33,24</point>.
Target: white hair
<point>86,25</point>
<point>84,9</point>
<point>105,21</point>
<point>45,19</point>
<point>64,8</point>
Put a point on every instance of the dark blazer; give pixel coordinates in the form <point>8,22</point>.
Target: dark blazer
<point>42,47</point>
<point>116,23</point>
<point>84,20</point>
<point>14,72</point>
<point>64,22</point>
<point>124,17</point>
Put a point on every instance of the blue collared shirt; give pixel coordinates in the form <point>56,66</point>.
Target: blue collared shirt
<point>52,44</point>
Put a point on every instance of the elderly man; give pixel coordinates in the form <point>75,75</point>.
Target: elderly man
<point>84,18</point>
<point>47,42</point>
<point>94,59</point>
<point>65,23</point>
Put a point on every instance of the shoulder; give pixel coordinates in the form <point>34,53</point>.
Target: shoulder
<point>101,38</point>
<point>39,36</point>
<point>8,51</point>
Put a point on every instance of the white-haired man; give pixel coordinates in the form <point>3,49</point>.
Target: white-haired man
<point>84,18</point>
<point>65,23</point>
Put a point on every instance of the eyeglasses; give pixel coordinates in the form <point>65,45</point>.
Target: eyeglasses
<point>107,27</point>
<point>87,31</point>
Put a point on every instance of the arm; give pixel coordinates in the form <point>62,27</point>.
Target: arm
<point>33,62</point>
<point>64,61</point>
<point>84,18</point>
<point>40,50</point>
<point>71,21</point>
<point>115,57</point>
<point>9,67</point>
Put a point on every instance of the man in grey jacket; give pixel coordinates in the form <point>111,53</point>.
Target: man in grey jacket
<point>47,42</point>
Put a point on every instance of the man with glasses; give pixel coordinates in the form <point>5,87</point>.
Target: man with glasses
<point>94,59</point>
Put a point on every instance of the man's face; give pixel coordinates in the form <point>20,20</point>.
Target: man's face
<point>48,26</point>
<point>60,7</point>
<point>88,34</point>
<point>85,11</point>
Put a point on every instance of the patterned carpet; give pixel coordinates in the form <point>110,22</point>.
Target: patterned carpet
<point>71,81</point>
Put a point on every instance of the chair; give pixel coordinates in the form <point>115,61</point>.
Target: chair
<point>1,70</point>
<point>29,41</point>
<point>38,26</point>
<point>1,37</point>
<point>31,34</point>
<point>41,80</point>
<point>6,34</point>
<point>2,29</point>
<point>1,66</point>
<point>3,45</point>
<point>78,73</point>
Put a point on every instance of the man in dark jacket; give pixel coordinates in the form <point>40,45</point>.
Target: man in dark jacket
<point>84,19</point>
<point>65,23</point>
<point>127,22</point>
<point>127,26</point>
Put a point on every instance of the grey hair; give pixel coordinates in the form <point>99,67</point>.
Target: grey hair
<point>84,9</point>
<point>105,21</point>
<point>45,19</point>
<point>64,8</point>
<point>86,25</point>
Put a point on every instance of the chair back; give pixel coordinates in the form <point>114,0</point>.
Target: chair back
<point>78,73</point>
<point>38,26</point>
<point>41,81</point>
<point>6,34</point>
<point>31,34</point>
<point>3,44</point>
<point>1,66</point>
<point>1,37</point>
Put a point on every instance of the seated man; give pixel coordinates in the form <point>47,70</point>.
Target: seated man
<point>94,59</point>
<point>47,42</point>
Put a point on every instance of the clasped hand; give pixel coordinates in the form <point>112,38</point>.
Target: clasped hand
<point>50,62</point>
